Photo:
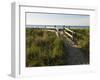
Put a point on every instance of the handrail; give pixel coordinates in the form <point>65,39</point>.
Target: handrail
<point>69,34</point>
<point>69,30</point>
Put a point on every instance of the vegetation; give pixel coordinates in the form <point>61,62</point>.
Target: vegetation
<point>43,48</point>
<point>82,36</point>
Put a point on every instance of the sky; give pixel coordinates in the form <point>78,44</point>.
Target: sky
<point>57,19</point>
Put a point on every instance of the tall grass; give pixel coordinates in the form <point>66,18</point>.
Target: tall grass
<point>43,48</point>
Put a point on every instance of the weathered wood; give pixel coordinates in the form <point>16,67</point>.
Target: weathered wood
<point>69,34</point>
<point>69,30</point>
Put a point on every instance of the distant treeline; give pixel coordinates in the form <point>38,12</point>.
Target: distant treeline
<point>55,26</point>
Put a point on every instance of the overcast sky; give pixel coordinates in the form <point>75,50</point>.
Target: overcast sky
<point>57,19</point>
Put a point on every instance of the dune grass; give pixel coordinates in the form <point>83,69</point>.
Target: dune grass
<point>44,48</point>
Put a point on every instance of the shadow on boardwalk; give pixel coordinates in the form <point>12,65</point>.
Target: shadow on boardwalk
<point>76,56</point>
